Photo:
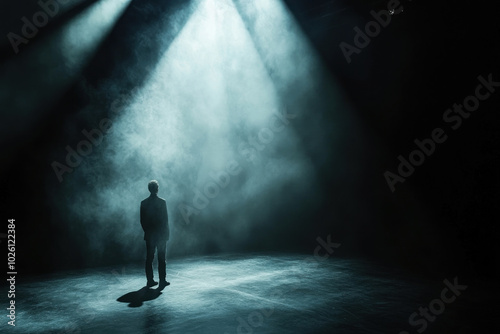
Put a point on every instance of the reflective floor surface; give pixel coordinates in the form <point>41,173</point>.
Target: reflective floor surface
<point>248,294</point>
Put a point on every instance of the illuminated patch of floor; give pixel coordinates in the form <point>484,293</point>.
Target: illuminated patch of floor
<point>229,294</point>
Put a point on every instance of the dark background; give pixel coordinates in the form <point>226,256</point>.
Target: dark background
<point>442,220</point>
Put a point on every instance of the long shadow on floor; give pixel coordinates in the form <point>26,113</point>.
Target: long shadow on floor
<point>136,298</point>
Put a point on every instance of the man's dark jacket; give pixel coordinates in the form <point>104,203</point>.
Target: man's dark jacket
<point>154,218</point>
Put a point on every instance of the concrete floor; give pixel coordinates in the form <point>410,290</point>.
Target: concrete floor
<point>244,294</point>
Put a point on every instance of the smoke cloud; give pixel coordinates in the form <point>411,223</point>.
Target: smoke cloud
<point>220,123</point>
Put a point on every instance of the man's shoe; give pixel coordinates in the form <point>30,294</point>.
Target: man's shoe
<point>151,283</point>
<point>163,284</point>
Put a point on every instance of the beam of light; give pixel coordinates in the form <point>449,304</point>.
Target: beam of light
<point>39,75</point>
<point>296,69</point>
<point>300,74</point>
<point>211,94</point>
<point>82,37</point>
<point>282,45</point>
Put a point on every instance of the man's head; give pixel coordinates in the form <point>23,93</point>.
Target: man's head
<point>153,186</point>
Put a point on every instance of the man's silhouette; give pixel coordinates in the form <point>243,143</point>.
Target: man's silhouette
<point>154,221</point>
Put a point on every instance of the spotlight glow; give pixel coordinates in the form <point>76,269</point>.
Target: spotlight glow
<point>83,36</point>
<point>212,99</point>
<point>52,63</point>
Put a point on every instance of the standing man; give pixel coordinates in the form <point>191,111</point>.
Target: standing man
<point>154,221</point>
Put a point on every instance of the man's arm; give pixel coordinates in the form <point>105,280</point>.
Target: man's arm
<point>142,218</point>
<point>165,212</point>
